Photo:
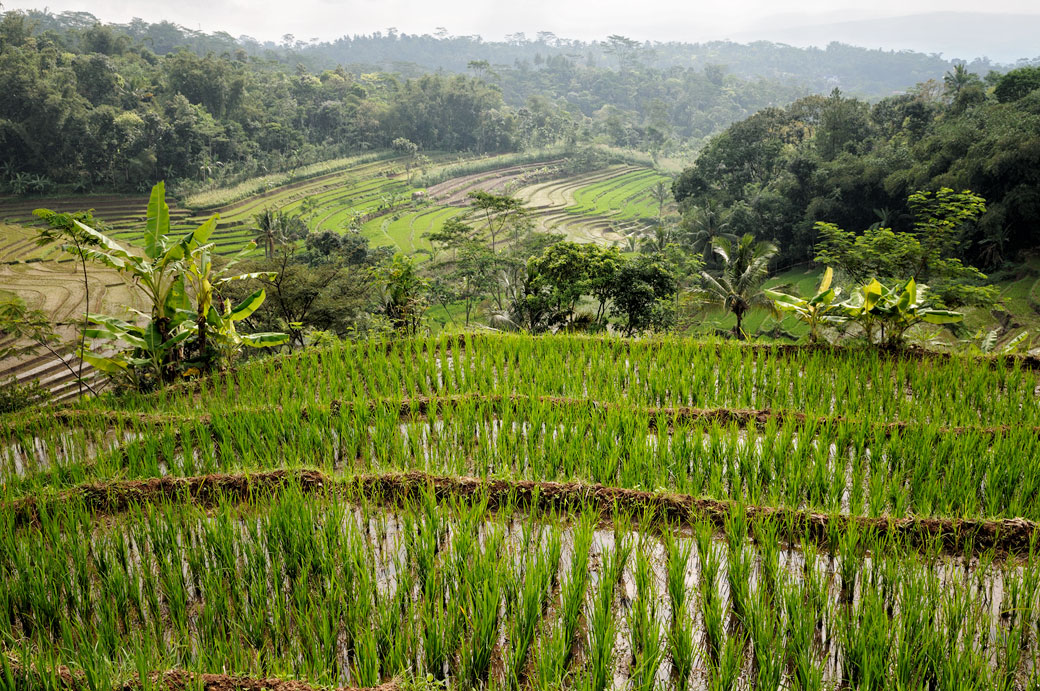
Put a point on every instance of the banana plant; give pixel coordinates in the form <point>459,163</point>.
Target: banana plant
<point>226,339</point>
<point>160,272</point>
<point>144,362</point>
<point>203,279</point>
<point>822,308</point>
<point>895,310</point>
<point>167,271</point>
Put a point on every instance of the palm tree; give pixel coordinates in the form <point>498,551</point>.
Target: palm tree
<point>277,227</point>
<point>267,230</point>
<point>704,228</point>
<point>657,239</point>
<point>661,193</point>
<point>958,78</point>
<point>737,286</point>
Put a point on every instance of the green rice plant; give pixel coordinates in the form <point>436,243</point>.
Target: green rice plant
<point>767,537</point>
<point>482,592</point>
<point>539,573</point>
<point>645,634</point>
<point>557,646</point>
<point>711,601</point>
<point>680,633</point>
<point>218,197</point>
<point>726,673</point>
<point>865,634</point>
<point>602,626</point>
<point>766,637</point>
<point>435,623</point>
<point>738,573</point>
<point>802,621</point>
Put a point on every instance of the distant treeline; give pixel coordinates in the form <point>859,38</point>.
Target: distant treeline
<point>860,71</point>
<point>89,106</point>
<point>92,108</point>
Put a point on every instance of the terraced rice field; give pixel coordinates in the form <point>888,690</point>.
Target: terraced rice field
<point>374,190</point>
<point>50,281</point>
<point>407,230</point>
<point>604,206</point>
<point>529,513</point>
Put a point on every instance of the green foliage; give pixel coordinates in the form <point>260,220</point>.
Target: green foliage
<point>988,343</point>
<point>1017,84</point>
<point>564,274</point>
<point>15,396</point>
<point>24,331</point>
<point>81,120</point>
<point>406,294</point>
<point>327,285</point>
<point>557,280</point>
<point>637,291</point>
<point>822,308</point>
<point>500,212</point>
<point>737,285</point>
<point>894,310</point>
<point>168,271</point>
<point>925,253</point>
<point>473,275</point>
<point>226,340</point>
<point>275,227</point>
<point>842,161</point>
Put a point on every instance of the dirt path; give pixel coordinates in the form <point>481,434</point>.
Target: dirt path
<point>1008,537</point>
<point>176,680</point>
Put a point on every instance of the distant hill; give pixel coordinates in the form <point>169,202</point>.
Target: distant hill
<point>800,51</point>
<point>1003,38</point>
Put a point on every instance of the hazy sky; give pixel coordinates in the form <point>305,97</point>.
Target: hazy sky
<point>584,19</point>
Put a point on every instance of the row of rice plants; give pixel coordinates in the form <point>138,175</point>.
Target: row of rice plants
<point>594,197</point>
<point>337,592</point>
<point>835,467</point>
<point>627,196</point>
<point>859,384</point>
<point>259,185</point>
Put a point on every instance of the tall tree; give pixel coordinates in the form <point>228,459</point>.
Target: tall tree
<point>956,79</point>
<point>737,285</point>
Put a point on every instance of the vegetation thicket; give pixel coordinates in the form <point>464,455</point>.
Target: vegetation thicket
<point>854,164</point>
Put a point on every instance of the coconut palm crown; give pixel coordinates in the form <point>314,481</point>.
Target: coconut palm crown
<point>737,285</point>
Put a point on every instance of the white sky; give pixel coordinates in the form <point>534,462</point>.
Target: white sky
<point>687,20</point>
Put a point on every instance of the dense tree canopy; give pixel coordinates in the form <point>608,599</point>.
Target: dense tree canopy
<point>844,161</point>
<point>91,108</point>
<point>137,102</point>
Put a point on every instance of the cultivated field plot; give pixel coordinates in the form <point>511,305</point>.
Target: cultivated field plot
<point>48,280</point>
<point>535,513</point>
<point>604,206</point>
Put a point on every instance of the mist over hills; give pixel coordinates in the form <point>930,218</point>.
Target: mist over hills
<point>900,51</point>
<point>1003,38</point>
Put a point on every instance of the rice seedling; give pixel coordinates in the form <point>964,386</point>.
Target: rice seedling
<point>539,573</point>
<point>712,613</point>
<point>646,637</point>
<point>680,633</point>
<point>557,645</point>
<point>602,625</point>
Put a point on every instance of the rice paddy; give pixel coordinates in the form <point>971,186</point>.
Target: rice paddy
<point>533,513</point>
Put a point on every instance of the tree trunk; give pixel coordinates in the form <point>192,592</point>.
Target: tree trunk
<point>86,318</point>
